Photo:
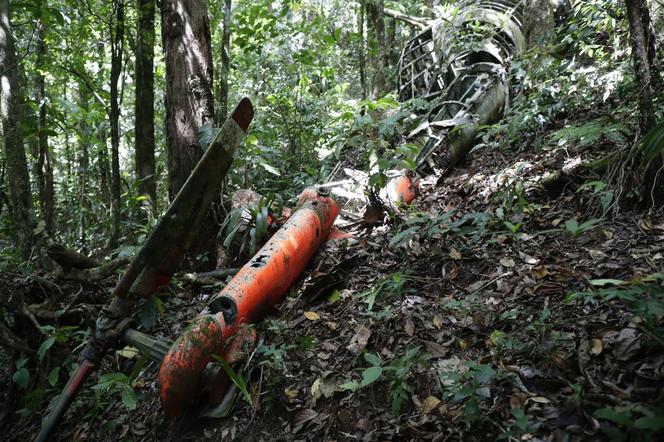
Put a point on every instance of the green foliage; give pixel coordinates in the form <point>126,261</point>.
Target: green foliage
<point>245,229</point>
<point>639,422</point>
<point>588,134</point>
<point>521,426</point>
<point>576,229</point>
<point>112,384</point>
<point>389,286</point>
<point>643,297</point>
<point>21,376</point>
<point>423,226</point>
<point>649,147</point>
<point>599,189</point>
<point>470,387</point>
<point>235,377</point>
<point>397,373</point>
<point>149,310</point>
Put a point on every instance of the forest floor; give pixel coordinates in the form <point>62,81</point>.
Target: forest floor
<point>495,308</point>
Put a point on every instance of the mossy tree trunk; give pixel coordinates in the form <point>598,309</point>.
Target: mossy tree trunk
<point>20,196</point>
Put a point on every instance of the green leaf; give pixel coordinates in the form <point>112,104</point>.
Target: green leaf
<point>401,237</point>
<point>53,376</point>
<point>350,386</point>
<point>612,415</point>
<point>149,312</point>
<point>334,297</point>
<point>44,347</point>
<point>372,359</point>
<point>129,398</point>
<point>21,377</point>
<point>649,423</point>
<point>572,226</point>
<point>370,375</point>
<point>234,377</point>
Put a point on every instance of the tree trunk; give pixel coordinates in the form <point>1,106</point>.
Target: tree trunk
<point>102,140</point>
<point>639,29</point>
<point>43,165</point>
<point>117,47</point>
<point>377,50</point>
<point>225,64</point>
<point>641,64</point>
<point>14,149</point>
<point>144,110</point>
<point>362,55</point>
<point>189,102</point>
<point>83,166</point>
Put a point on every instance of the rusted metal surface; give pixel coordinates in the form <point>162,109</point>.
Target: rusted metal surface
<point>66,397</point>
<point>460,61</point>
<point>257,287</point>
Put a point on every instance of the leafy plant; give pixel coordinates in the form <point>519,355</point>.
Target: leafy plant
<point>521,426</point>
<point>235,377</point>
<point>631,422</point>
<point>643,297</point>
<point>246,227</point>
<point>469,387</point>
<point>599,188</point>
<point>574,228</point>
<point>117,383</point>
<point>393,284</point>
<point>425,226</point>
<point>590,133</point>
<point>397,373</point>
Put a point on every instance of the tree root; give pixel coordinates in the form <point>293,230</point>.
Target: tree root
<point>9,340</point>
<point>96,273</point>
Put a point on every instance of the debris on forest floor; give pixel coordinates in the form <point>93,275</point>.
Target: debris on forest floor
<point>495,308</point>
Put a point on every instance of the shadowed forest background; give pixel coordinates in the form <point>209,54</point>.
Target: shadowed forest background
<point>519,296</point>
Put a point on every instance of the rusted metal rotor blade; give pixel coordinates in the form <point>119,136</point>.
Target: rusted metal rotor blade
<point>166,245</point>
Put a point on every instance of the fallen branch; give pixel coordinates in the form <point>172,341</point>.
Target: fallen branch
<point>68,259</point>
<point>96,273</point>
<point>409,19</point>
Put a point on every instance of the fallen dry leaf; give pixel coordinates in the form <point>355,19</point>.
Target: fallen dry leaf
<point>596,346</point>
<point>507,262</point>
<point>312,316</point>
<point>360,340</point>
<point>429,404</point>
<point>438,321</point>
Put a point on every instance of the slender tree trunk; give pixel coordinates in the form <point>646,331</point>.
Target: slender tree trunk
<point>189,101</point>
<point>639,27</point>
<point>362,56</point>
<point>144,110</point>
<point>102,139</point>
<point>377,49</point>
<point>83,167</point>
<point>117,48</point>
<point>14,149</point>
<point>43,164</point>
<point>641,64</point>
<point>225,64</point>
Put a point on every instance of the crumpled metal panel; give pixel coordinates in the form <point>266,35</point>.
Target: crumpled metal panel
<point>461,61</point>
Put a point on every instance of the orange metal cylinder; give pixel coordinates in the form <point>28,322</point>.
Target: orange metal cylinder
<point>257,287</point>
<point>402,189</point>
